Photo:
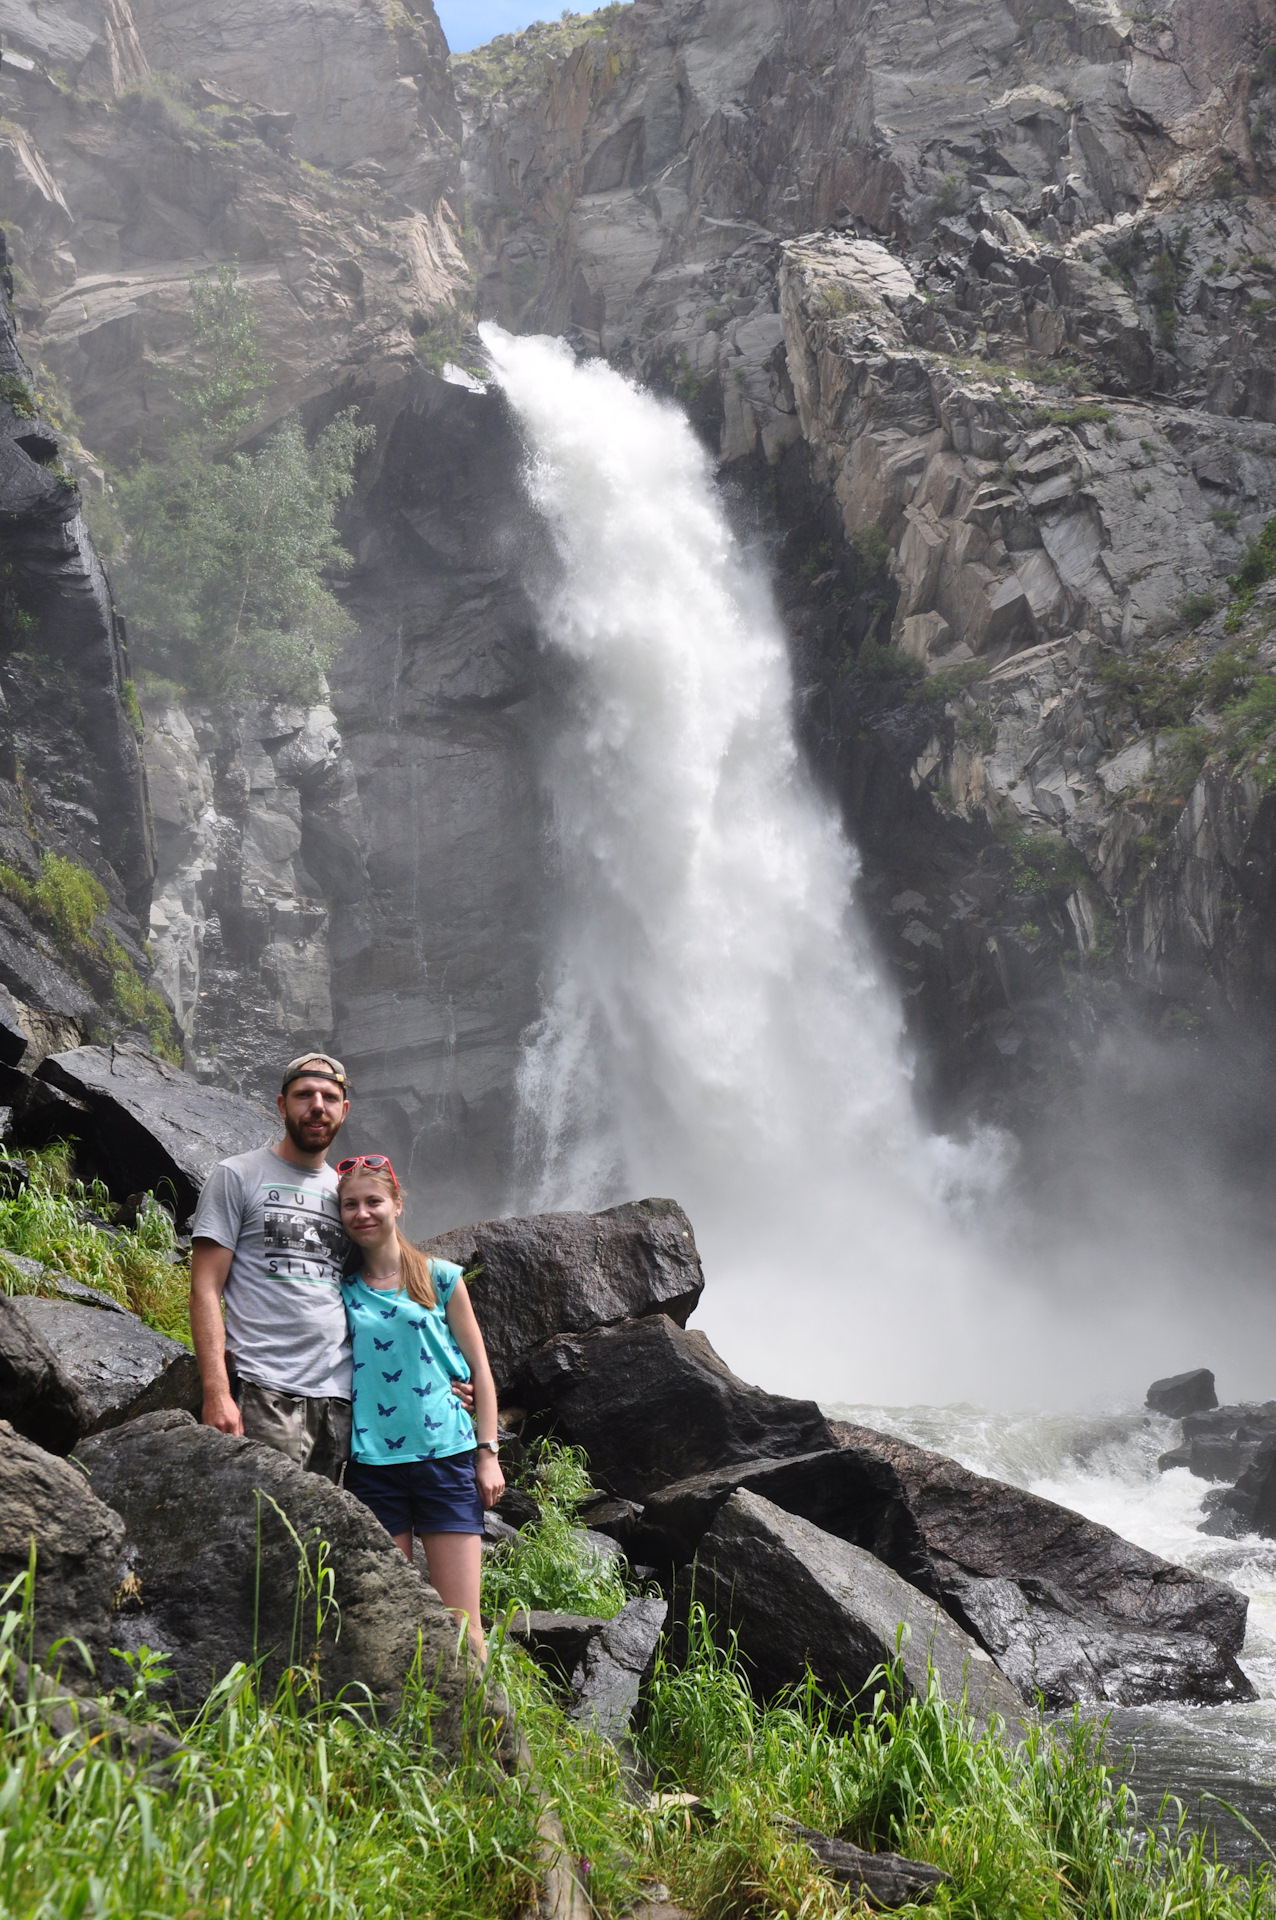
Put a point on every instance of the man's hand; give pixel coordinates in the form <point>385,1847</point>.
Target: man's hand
<point>221,1412</point>
<point>464,1391</point>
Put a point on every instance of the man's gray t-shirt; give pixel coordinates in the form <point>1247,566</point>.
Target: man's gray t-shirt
<point>285,1322</point>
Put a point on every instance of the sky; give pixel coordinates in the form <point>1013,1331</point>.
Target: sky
<point>471,23</point>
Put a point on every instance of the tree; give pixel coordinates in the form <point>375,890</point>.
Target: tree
<point>228,553</point>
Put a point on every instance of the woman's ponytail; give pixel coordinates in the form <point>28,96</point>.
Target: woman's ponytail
<point>416,1273</point>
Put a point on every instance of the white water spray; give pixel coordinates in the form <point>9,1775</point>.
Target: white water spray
<point>716,1027</point>
<point>714,1023</point>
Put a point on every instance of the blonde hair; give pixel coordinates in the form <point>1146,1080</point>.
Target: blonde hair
<point>416,1270</point>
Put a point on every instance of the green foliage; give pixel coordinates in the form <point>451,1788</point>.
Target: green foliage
<point>552,1565</point>
<point>1197,608</point>
<point>1169,269</point>
<point>229,552</point>
<point>47,1223</point>
<point>448,339</point>
<point>1089,413</point>
<point>132,709</point>
<point>952,190</point>
<point>883,674</point>
<point>69,901</point>
<point>514,60</point>
<point>1258,567</point>
<point>1044,861</point>
<point>1226,519</point>
<point>977,731</point>
<point>937,689</point>
<point>16,393</point>
<point>872,552</point>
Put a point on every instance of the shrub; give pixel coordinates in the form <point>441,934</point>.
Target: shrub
<point>1197,608</point>
<point>552,1565</point>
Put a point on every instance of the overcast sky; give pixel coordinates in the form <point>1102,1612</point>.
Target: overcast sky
<point>470,23</point>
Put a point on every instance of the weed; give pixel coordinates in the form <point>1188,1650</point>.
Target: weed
<point>448,339</point>
<point>936,689</point>
<point>1197,608</point>
<point>553,1565</point>
<point>977,731</point>
<point>1089,413</point>
<point>1029,930</point>
<point>1226,519</point>
<point>16,393</point>
<point>872,552</point>
<point>132,709</point>
<point>47,1222</point>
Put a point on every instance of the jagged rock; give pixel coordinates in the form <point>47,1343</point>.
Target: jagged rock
<point>1183,1393</point>
<point>1063,1604</point>
<point>1222,1443</point>
<point>559,1273</point>
<point>883,1880</point>
<point>68,1369</point>
<point>156,1127</point>
<point>517,1508</point>
<point>214,1524</point>
<point>798,1596</point>
<point>79,1543</point>
<point>843,1490</point>
<point>652,1403</point>
<point>608,1677</point>
<point>556,1641</point>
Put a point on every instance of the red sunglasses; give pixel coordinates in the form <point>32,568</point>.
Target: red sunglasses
<point>374,1162</point>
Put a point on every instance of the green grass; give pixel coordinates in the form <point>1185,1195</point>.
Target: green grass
<point>552,1566</point>
<point>288,1806</point>
<point>46,1223</point>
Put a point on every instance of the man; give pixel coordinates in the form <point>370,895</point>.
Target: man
<point>268,1241</point>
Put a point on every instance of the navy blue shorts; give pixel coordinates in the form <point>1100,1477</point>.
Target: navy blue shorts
<point>420,1496</point>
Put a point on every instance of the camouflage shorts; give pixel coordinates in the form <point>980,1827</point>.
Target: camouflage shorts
<point>314,1433</point>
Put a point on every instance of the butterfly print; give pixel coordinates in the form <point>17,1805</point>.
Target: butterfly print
<point>382,1346</point>
<point>390,1378</point>
<point>394,1445</point>
<point>385,1412</point>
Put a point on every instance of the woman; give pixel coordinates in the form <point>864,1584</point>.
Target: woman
<point>414,1457</point>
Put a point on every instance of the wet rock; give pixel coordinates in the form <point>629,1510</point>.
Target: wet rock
<point>560,1273</point>
<point>157,1128</point>
<point>225,1534</point>
<point>556,1641</point>
<point>606,1682</point>
<point>1063,1604</point>
<point>652,1403</point>
<point>798,1596</point>
<point>67,1369</point>
<point>79,1543</point>
<point>883,1880</point>
<point>846,1491</point>
<point>1183,1393</point>
<point>517,1508</point>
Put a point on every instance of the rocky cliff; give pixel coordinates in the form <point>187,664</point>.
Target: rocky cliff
<point>974,305</point>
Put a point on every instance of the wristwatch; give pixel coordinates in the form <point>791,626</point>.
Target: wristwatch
<point>493,1446</point>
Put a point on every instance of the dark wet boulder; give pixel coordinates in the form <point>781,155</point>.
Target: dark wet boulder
<point>1062,1603</point>
<point>157,1129</point>
<point>556,1273</point>
<point>799,1597</point>
<point>68,1369</point>
<point>1183,1393</point>
<point>79,1548</point>
<point>845,1491</point>
<point>607,1680</point>
<point>556,1641</point>
<point>651,1403</point>
<point>226,1537</point>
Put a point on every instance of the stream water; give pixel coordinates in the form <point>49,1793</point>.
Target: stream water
<point>715,1026</point>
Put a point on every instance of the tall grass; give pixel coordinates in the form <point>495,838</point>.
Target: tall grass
<point>46,1222</point>
<point>1045,1831</point>
<point>553,1565</point>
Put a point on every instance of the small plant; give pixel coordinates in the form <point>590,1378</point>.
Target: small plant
<point>17,394</point>
<point>1226,519</point>
<point>1030,931</point>
<point>977,731</point>
<point>872,552</point>
<point>553,1565</point>
<point>1089,413</point>
<point>952,191</point>
<point>132,709</point>
<point>1196,609</point>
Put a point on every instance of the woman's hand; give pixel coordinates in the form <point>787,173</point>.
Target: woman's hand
<point>464,1391</point>
<point>491,1481</point>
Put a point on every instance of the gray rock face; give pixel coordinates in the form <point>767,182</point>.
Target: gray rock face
<point>1183,1393</point>
<point>156,1127</point>
<point>652,1403</point>
<point>79,1546</point>
<point>606,1683</point>
<point>211,1522</point>
<point>846,1492</point>
<point>561,1273</point>
<point>67,1370</point>
<point>797,1595</point>
<point>1064,1605</point>
<point>885,1880</point>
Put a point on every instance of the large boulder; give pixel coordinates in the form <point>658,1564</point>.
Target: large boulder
<point>79,1552</point>
<point>606,1682</point>
<point>843,1490</point>
<point>652,1403</point>
<point>68,1369</point>
<point>1064,1605</point>
<point>799,1597</point>
<point>1183,1393</point>
<point>558,1273</point>
<point>156,1128</point>
<point>228,1540</point>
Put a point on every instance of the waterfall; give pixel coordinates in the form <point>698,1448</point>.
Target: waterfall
<point>714,1023</point>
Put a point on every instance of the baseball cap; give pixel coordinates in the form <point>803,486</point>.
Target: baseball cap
<point>319,1063</point>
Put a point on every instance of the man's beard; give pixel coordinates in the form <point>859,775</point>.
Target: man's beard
<point>310,1137</point>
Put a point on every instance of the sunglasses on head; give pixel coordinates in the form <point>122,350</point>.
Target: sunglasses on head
<point>374,1162</point>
